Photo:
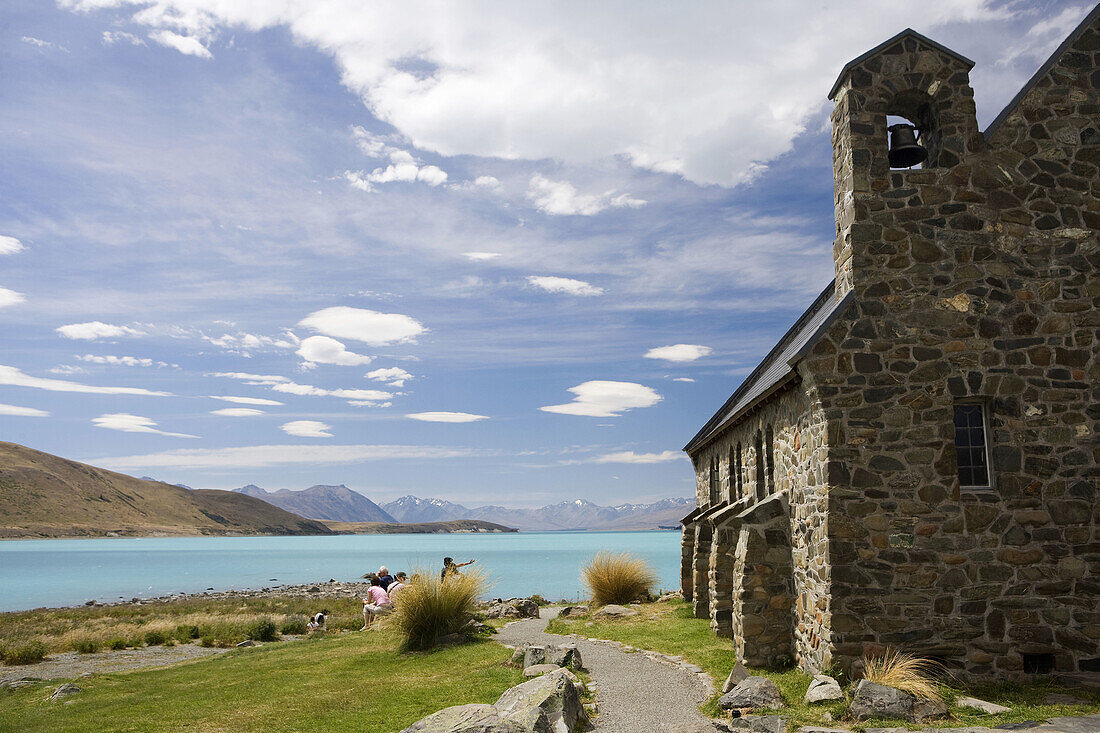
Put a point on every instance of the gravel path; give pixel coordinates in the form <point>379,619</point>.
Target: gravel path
<point>68,665</point>
<point>634,692</point>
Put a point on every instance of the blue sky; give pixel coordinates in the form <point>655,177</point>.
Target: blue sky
<point>430,248</point>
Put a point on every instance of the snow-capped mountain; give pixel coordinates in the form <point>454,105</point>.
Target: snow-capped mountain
<point>411,509</point>
<point>335,503</point>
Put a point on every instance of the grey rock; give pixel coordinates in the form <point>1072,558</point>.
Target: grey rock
<point>65,690</point>
<point>565,655</point>
<point>885,730</point>
<point>614,611</point>
<point>546,704</point>
<point>819,729</point>
<point>1057,698</point>
<point>534,654</point>
<point>573,611</point>
<point>981,705</point>
<point>536,669</point>
<point>752,692</point>
<point>512,608</point>
<point>823,688</point>
<point>1084,724</point>
<point>873,700</point>
<point>475,718</point>
<point>737,674</point>
<point>246,642</point>
<point>758,723</point>
<point>673,596</point>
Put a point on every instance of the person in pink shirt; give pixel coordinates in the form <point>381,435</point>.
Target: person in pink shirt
<point>377,603</point>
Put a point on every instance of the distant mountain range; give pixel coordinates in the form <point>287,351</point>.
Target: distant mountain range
<point>339,503</point>
<point>332,503</point>
<point>43,495</point>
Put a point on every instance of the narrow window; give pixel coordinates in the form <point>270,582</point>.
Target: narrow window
<point>972,445</point>
<point>761,491</point>
<point>771,459</point>
<point>740,479</point>
<point>731,473</point>
<point>713,481</point>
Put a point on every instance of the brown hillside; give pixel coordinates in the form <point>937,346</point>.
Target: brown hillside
<point>42,495</point>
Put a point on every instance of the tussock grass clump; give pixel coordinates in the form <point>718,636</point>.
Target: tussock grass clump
<point>264,629</point>
<point>29,653</point>
<point>295,624</point>
<point>904,672</point>
<point>618,578</point>
<point>86,646</point>
<point>155,638</point>
<point>428,607</point>
<point>116,644</point>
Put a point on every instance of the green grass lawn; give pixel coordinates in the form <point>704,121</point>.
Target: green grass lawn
<point>670,628</point>
<point>343,682</point>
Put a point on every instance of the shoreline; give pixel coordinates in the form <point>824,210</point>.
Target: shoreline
<point>165,535</point>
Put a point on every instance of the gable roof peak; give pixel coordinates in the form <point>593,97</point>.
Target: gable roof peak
<point>907,33</point>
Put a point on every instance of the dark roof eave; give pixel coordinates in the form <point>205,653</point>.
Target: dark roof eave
<point>1043,70</point>
<point>907,33</point>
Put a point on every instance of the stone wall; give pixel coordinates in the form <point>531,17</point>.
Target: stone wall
<point>975,279</point>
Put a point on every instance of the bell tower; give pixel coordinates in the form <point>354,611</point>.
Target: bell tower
<point>880,210</point>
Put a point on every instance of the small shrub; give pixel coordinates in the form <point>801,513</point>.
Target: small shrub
<point>187,632</point>
<point>904,672</point>
<point>155,638</point>
<point>263,629</point>
<point>618,578</point>
<point>429,607</point>
<point>294,625</point>
<point>208,641</point>
<point>29,653</point>
<point>86,646</point>
<point>539,599</point>
<point>116,644</point>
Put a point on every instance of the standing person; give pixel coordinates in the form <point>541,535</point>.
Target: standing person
<point>385,577</point>
<point>451,568</point>
<point>377,603</point>
<point>399,582</point>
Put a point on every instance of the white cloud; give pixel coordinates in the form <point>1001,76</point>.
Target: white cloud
<point>679,352</point>
<point>374,145</point>
<point>15,377</point>
<point>393,376</point>
<point>606,399</point>
<point>454,417</point>
<point>259,456</point>
<point>131,361</point>
<point>630,456</point>
<point>683,379</point>
<point>187,45</point>
<point>403,167</point>
<point>10,245</point>
<point>22,411</point>
<point>561,198</point>
<point>361,324</point>
<point>93,330</point>
<point>251,378</point>
<point>564,285</point>
<point>128,423</point>
<point>1043,37</point>
<point>10,297</point>
<point>362,396</point>
<point>244,343</point>
<point>325,350</point>
<point>237,412</point>
<point>481,256</point>
<point>67,370</point>
<point>39,43</point>
<point>694,103</point>
<point>112,37</point>
<point>245,400</point>
<point>307,429</point>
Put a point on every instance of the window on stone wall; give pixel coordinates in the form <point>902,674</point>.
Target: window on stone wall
<point>770,455</point>
<point>739,476</point>
<point>758,445</point>
<point>972,445</point>
<point>713,481</point>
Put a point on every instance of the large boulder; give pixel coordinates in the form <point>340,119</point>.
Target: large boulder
<point>562,655</point>
<point>512,608</point>
<point>873,700</point>
<point>737,674</point>
<point>546,704</point>
<point>758,724</point>
<point>823,689</point>
<point>64,691</point>
<point>475,718</point>
<point>613,611</point>
<point>572,611</point>
<point>752,692</point>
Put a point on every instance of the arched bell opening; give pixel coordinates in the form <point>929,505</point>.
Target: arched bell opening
<point>913,138</point>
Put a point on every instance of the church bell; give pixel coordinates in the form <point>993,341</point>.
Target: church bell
<point>905,151</point>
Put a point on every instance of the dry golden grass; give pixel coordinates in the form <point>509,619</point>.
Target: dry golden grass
<point>620,578</point>
<point>429,607</point>
<point>904,672</point>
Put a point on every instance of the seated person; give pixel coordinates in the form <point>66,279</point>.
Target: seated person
<point>400,581</point>
<point>377,603</point>
<point>317,621</point>
<point>384,576</point>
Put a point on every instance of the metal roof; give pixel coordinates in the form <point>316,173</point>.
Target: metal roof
<point>1046,67</point>
<point>907,33</point>
<point>779,364</point>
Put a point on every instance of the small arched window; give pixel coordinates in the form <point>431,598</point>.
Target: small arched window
<point>713,481</point>
<point>739,476</point>
<point>770,454</point>
<point>758,446</point>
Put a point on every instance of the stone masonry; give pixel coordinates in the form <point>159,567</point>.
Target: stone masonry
<point>833,517</point>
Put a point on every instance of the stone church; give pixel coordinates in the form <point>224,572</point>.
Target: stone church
<point>915,464</point>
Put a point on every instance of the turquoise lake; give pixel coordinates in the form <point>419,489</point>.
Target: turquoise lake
<point>35,573</point>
